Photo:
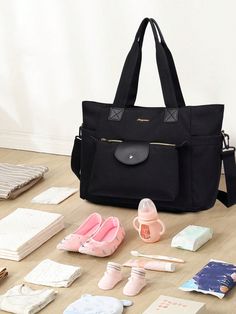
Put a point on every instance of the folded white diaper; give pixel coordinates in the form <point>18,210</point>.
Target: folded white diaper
<point>54,195</point>
<point>192,238</point>
<point>53,274</point>
<point>25,229</point>
<point>89,304</point>
<point>21,299</point>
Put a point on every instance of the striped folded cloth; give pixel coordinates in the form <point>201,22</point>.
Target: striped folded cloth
<point>3,273</point>
<point>15,179</point>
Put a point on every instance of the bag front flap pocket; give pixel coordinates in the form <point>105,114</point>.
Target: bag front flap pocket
<point>154,173</point>
<point>132,153</point>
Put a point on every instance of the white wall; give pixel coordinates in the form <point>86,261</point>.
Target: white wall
<point>56,53</point>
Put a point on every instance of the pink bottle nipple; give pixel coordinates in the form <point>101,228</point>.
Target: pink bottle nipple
<point>147,210</point>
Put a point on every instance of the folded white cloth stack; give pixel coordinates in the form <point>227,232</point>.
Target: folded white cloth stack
<point>54,195</point>
<point>25,229</point>
<point>53,274</point>
<point>15,179</point>
<point>21,299</point>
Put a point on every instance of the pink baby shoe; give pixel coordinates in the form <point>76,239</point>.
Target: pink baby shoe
<point>136,282</point>
<point>88,228</point>
<point>106,240</point>
<point>111,277</point>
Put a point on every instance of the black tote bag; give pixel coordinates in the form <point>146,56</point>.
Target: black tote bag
<point>170,154</point>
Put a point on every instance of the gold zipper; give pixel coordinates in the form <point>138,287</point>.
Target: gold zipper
<point>110,141</point>
<point>151,143</point>
<point>163,144</point>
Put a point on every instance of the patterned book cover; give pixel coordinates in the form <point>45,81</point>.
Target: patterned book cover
<point>171,305</point>
<point>215,278</point>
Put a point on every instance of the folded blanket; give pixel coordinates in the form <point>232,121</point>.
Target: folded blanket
<point>15,179</point>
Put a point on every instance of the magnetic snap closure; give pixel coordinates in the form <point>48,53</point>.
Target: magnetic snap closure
<point>132,153</point>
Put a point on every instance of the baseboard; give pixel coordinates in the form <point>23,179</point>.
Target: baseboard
<point>35,142</point>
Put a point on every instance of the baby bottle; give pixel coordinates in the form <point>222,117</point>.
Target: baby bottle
<point>147,223</point>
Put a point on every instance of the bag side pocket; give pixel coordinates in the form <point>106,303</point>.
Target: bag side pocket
<point>88,148</point>
<point>76,157</point>
<point>206,169</point>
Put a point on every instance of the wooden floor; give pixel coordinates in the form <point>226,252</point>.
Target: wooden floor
<point>75,210</point>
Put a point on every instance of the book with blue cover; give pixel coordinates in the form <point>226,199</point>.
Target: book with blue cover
<point>215,278</point>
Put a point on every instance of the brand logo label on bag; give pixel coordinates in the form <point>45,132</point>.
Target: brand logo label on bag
<point>142,120</point>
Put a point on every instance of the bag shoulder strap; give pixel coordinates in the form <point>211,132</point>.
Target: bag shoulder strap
<point>228,198</point>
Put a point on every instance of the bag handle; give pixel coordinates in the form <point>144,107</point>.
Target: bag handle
<point>178,91</point>
<point>127,88</point>
<point>177,88</point>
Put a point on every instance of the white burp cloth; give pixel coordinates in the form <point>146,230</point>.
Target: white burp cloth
<point>53,274</point>
<point>89,304</point>
<point>54,195</point>
<point>21,299</point>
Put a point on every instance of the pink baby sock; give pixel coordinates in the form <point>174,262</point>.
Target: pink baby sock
<point>111,277</point>
<point>136,282</point>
